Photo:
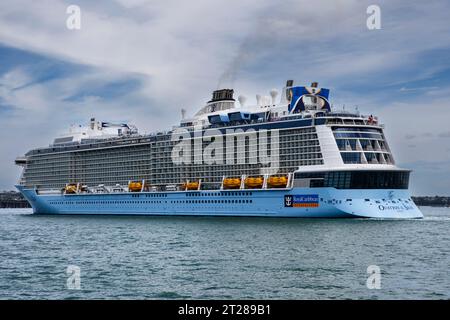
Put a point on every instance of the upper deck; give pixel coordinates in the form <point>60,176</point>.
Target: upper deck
<point>269,123</point>
<point>298,106</point>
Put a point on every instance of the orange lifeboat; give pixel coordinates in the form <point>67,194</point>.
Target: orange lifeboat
<point>191,185</point>
<point>254,182</point>
<point>71,188</point>
<point>135,186</point>
<point>277,182</point>
<point>232,183</point>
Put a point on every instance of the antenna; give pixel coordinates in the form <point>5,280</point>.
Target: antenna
<point>183,114</point>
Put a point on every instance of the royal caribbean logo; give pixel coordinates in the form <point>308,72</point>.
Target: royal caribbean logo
<point>301,200</point>
<point>288,201</point>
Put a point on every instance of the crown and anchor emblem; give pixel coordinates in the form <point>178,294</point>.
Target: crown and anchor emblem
<point>288,201</point>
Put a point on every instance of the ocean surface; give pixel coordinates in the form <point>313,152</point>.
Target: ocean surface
<point>222,258</point>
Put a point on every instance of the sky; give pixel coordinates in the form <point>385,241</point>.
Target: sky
<point>143,61</point>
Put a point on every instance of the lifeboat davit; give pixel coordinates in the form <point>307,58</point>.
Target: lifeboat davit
<point>71,188</point>
<point>254,182</point>
<point>232,183</point>
<point>277,182</point>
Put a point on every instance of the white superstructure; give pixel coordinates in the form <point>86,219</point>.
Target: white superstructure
<point>95,130</point>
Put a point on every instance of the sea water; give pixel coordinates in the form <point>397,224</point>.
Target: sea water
<point>131,257</point>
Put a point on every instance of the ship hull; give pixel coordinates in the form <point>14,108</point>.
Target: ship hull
<point>295,202</point>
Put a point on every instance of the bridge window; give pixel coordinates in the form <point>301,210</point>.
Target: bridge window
<point>351,157</point>
<point>357,179</point>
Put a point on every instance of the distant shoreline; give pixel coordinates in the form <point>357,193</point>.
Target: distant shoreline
<point>13,199</point>
<point>435,201</point>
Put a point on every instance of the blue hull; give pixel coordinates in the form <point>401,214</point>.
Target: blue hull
<point>296,202</point>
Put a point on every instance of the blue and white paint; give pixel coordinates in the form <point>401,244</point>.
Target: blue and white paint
<point>331,203</point>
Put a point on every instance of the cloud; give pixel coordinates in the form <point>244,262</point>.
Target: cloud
<point>403,89</point>
<point>166,41</point>
<point>425,172</point>
<point>406,124</point>
<point>14,79</point>
<point>444,134</point>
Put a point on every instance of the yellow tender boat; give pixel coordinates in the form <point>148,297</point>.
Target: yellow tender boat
<point>191,185</point>
<point>232,183</point>
<point>135,186</point>
<point>277,182</point>
<point>254,182</point>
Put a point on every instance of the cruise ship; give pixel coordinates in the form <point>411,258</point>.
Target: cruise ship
<point>289,154</point>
